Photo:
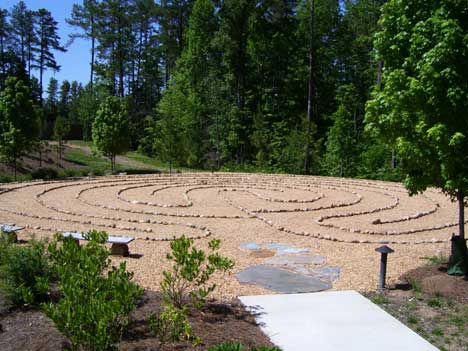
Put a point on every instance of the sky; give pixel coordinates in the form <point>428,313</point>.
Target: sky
<point>75,62</point>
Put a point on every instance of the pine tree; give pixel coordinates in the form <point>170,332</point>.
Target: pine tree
<point>85,17</point>
<point>49,41</point>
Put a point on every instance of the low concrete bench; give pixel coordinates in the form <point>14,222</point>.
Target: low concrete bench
<point>119,243</point>
<point>10,231</point>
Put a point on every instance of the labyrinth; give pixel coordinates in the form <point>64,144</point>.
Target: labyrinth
<point>237,208</point>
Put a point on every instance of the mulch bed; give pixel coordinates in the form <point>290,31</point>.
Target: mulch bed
<point>218,322</point>
<point>434,280</point>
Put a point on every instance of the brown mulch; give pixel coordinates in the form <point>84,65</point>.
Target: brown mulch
<point>218,322</point>
<point>434,280</point>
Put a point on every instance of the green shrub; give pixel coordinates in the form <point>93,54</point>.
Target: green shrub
<point>45,173</point>
<point>171,325</point>
<point>25,272</point>
<point>227,346</point>
<point>235,346</point>
<point>191,272</point>
<point>95,306</point>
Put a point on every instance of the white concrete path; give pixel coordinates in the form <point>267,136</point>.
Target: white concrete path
<point>331,321</point>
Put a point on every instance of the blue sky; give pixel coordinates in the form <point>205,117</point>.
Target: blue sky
<point>75,62</point>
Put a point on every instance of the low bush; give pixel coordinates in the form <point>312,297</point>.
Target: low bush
<point>139,171</point>
<point>235,346</point>
<point>97,298</point>
<point>171,325</point>
<point>25,272</point>
<point>45,173</point>
<point>191,272</point>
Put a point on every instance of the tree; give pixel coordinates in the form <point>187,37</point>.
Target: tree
<point>48,42</point>
<point>342,142</point>
<point>5,38</point>
<point>110,129</point>
<point>19,125</point>
<point>422,104</point>
<point>61,129</point>
<point>85,17</point>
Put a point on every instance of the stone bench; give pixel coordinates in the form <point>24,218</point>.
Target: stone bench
<point>10,231</point>
<point>119,243</point>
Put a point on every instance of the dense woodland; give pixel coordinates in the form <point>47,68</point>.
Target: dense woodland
<point>271,85</point>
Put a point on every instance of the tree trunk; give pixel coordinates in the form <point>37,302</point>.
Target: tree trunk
<point>311,92</point>
<point>93,43</point>
<point>461,213</point>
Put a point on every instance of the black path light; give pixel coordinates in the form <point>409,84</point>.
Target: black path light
<point>384,250</point>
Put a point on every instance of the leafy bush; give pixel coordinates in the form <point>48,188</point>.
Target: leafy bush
<point>235,346</point>
<point>25,272</point>
<point>45,173</point>
<point>191,272</point>
<point>171,325</point>
<point>94,309</point>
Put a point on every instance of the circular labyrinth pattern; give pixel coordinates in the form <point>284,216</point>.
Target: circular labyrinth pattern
<point>161,207</point>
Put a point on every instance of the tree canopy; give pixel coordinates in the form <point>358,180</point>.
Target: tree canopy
<point>421,107</point>
<point>110,129</point>
<point>19,125</point>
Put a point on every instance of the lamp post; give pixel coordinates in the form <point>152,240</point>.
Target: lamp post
<point>384,250</point>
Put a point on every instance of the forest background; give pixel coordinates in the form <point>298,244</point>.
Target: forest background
<point>214,83</point>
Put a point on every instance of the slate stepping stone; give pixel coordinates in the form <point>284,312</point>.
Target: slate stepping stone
<point>285,260</point>
<point>326,273</point>
<point>280,280</point>
<point>250,246</point>
<point>292,250</point>
<point>276,246</point>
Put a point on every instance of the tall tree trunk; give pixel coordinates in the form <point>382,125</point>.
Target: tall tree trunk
<point>311,90</point>
<point>461,213</point>
<point>41,72</point>
<point>93,43</point>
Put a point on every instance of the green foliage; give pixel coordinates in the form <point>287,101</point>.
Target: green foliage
<point>97,298</point>
<point>227,346</point>
<point>25,272</point>
<point>420,108</point>
<point>412,319</point>
<point>235,346</point>
<point>380,299</point>
<point>111,129</point>
<point>436,259</point>
<point>191,272</point>
<point>19,125</point>
<point>171,324</point>
<point>45,173</point>
<point>435,302</point>
<point>61,129</point>
<point>416,286</point>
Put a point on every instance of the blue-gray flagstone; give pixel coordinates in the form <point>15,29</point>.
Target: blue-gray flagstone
<point>280,280</point>
<point>285,260</point>
<point>250,246</point>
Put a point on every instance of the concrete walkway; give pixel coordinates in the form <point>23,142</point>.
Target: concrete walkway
<point>331,321</point>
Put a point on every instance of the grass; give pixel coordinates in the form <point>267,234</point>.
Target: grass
<point>149,161</point>
<point>380,299</point>
<point>82,158</point>
<point>440,320</point>
<point>436,260</point>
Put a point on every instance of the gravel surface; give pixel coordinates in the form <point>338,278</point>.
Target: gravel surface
<point>341,219</point>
